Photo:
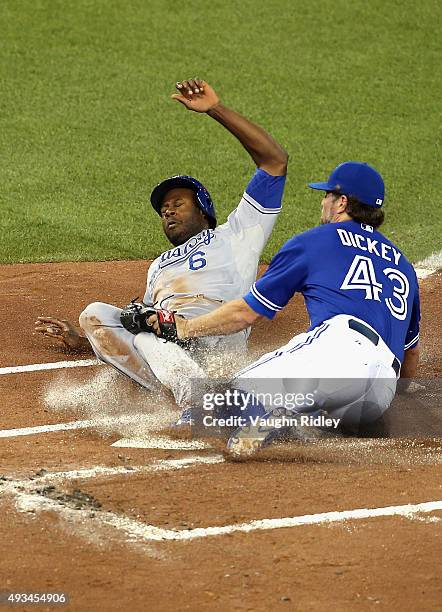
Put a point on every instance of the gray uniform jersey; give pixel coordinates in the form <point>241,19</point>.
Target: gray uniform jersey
<point>218,265</point>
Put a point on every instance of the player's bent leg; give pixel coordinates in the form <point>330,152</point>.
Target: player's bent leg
<point>369,400</point>
<point>113,344</point>
<point>172,366</point>
<point>279,413</point>
<point>345,375</point>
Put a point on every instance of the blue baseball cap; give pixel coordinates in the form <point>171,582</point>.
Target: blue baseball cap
<point>356,179</point>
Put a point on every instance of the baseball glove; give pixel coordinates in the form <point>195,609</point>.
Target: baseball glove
<point>134,318</point>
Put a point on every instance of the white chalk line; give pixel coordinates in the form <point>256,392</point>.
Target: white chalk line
<point>98,471</point>
<point>38,429</point>
<point>434,260</point>
<point>422,273</point>
<point>151,533</point>
<point>56,365</point>
<point>160,442</point>
<point>32,501</point>
<point>429,265</point>
<point>152,442</point>
<point>29,499</point>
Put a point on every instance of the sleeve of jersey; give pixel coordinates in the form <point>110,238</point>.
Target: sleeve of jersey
<point>412,337</point>
<point>264,192</point>
<point>147,299</point>
<point>285,276</point>
<point>260,204</point>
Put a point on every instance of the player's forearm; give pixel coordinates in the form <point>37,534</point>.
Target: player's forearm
<point>84,346</point>
<point>408,368</point>
<point>410,363</point>
<point>228,319</point>
<point>77,344</point>
<point>263,149</point>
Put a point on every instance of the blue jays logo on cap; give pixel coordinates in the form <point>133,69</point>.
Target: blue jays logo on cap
<point>356,179</point>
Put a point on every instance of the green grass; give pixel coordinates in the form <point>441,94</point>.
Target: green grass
<point>87,126</point>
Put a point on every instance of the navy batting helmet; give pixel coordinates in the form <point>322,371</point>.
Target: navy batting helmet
<point>203,198</point>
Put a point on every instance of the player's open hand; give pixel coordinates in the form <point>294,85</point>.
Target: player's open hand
<point>61,330</point>
<point>196,95</point>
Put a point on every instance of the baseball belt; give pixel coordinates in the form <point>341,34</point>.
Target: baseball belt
<point>373,337</point>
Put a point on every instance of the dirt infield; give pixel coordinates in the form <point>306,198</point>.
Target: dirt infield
<point>122,528</point>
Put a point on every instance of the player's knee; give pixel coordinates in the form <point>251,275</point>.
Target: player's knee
<point>104,341</point>
<point>90,317</point>
<point>101,336</point>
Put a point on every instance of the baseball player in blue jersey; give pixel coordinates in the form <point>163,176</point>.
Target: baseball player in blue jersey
<point>208,264</point>
<point>362,297</point>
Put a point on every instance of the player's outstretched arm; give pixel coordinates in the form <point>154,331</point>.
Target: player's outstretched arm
<point>64,332</point>
<point>228,319</point>
<point>199,96</point>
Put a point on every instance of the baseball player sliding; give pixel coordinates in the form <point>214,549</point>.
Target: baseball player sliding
<point>207,266</point>
<point>363,300</point>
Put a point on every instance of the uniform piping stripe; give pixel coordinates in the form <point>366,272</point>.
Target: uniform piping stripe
<point>409,344</point>
<point>251,200</point>
<point>309,340</point>
<point>255,365</point>
<point>266,302</point>
<point>259,208</point>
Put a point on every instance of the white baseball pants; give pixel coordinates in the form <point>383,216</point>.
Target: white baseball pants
<point>349,376</point>
<point>144,357</point>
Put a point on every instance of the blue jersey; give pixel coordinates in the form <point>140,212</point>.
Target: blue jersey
<point>345,268</point>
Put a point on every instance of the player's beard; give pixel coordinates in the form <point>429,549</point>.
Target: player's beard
<point>325,218</point>
<point>181,233</point>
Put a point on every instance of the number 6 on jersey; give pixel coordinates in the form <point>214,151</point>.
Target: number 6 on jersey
<point>197,261</point>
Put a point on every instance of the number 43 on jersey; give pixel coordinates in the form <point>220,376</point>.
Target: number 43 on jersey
<point>361,275</point>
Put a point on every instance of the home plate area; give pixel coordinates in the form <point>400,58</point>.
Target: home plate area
<point>150,518</point>
<point>98,500</point>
